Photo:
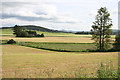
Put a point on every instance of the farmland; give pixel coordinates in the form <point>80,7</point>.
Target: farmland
<point>27,62</point>
<point>68,47</point>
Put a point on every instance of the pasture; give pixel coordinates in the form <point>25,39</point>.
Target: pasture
<point>25,62</point>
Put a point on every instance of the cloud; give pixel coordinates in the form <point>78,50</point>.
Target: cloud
<point>93,13</point>
<point>34,12</point>
<point>115,11</point>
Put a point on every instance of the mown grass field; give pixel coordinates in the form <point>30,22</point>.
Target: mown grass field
<point>25,62</point>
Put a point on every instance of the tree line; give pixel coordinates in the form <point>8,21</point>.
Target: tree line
<point>22,32</point>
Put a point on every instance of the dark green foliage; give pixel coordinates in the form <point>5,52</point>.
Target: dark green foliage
<point>42,35</point>
<point>82,32</point>
<point>117,42</point>
<point>11,41</point>
<point>32,33</point>
<point>101,29</point>
<point>22,32</point>
<point>38,35</point>
<point>17,31</point>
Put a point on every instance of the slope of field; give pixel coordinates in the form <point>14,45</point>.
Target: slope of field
<point>25,62</point>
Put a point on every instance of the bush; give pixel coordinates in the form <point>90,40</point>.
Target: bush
<point>11,41</point>
<point>38,35</point>
<point>42,35</point>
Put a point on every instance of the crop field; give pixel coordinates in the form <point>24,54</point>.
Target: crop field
<point>52,39</point>
<point>25,62</point>
<point>63,47</point>
<point>47,62</point>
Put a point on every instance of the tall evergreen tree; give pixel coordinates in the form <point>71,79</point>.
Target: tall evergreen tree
<point>17,30</point>
<point>101,29</point>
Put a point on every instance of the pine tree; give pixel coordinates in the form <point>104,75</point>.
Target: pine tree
<point>101,29</point>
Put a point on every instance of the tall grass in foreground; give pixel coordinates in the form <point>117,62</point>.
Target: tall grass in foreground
<point>104,71</point>
<point>107,72</point>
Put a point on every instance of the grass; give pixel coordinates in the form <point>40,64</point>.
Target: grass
<point>6,31</point>
<point>25,62</point>
<point>61,47</point>
<point>107,71</point>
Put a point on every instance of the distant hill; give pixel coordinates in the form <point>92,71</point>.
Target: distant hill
<point>43,29</point>
<point>37,28</point>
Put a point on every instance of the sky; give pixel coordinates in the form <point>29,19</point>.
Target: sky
<point>75,15</point>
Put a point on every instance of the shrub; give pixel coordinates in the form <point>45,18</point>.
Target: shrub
<point>38,35</point>
<point>11,41</point>
<point>42,35</point>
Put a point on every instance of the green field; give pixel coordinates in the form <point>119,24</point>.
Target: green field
<point>25,62</point>
<point>63,47</point>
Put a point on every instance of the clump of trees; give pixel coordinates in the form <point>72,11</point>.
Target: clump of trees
<point>117,42</point>
<point>11,41</point>
<point>20,32</point>
<point>101,29</point>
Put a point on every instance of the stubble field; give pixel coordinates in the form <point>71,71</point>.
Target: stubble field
<point>25,62</point>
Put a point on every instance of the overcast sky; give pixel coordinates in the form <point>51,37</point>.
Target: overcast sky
<point>76,15</point>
